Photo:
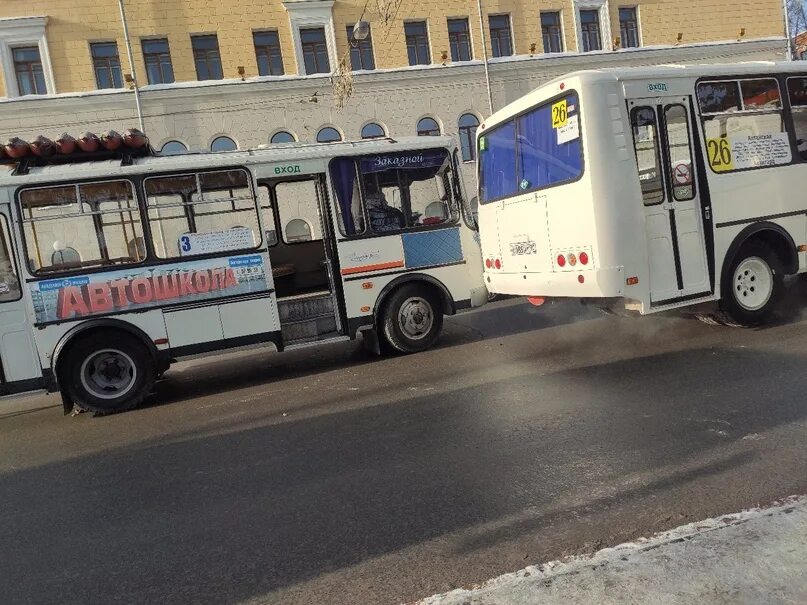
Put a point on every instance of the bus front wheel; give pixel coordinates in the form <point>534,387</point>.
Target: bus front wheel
<point>412,319</point>
<point>752,286</point>
<point>106,373</point>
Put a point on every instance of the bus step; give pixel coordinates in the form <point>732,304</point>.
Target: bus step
<point>311,329</point>
<point>301,310</point>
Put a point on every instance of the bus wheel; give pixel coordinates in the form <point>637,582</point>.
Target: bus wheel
<point>104,374</point>
<point>752,286</point>
<point>412,319</point>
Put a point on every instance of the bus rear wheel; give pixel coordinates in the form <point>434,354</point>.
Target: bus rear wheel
<point>412,319</point>
<point>106,374</point>
<point>752,286</point>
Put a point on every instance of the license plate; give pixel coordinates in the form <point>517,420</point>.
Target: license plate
<point>523,248</point>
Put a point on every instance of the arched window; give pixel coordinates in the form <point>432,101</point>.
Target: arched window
<point>373,131</point>
<point>428,127</point>
<point>282,136</point>
<point>173,148</point>
<point>223,144</point>
<point>297,230</point>
<point>468,124</point>
<point>328,135</point>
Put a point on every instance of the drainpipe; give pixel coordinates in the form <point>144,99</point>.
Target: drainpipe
<point>485,54</point>
<point>131,65</point>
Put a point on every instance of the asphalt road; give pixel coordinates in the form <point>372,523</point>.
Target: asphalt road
<point>337,477</point>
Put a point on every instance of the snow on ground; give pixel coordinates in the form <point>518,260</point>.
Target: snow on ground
<point>756,556</point>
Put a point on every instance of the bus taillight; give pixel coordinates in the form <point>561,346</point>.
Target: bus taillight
<point>488,263</point>
<point>497,263</point>
<point>583,258</point>
<point>561,260</point>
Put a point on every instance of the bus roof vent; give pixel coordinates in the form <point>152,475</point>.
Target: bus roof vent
<point>89,147</point>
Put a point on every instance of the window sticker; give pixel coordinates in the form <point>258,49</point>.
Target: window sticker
<point>559,114</point>
<point>570,132</point>
<point>749,151</point>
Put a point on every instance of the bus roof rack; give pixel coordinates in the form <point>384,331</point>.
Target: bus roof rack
<point>126,156</point>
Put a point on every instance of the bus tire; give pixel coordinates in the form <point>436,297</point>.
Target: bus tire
<point>412,318</point>
<point>103,373</point>
<point>752,286</point>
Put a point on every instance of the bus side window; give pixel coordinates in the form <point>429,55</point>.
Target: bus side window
<point>797,91</point>
<point>645,144</point>
<point>9,279</point>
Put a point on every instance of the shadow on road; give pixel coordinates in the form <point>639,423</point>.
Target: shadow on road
<point>226,517</point>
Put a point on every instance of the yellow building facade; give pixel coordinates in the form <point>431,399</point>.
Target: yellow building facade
<point>64,33</point>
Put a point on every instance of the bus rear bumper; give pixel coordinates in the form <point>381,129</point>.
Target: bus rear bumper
<point>607,282</point>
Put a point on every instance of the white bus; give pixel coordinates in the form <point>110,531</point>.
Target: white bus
<point>112,269</point>
<point>650,189</point>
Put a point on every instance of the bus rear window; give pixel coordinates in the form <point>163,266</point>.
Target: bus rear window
<point>538,149</point>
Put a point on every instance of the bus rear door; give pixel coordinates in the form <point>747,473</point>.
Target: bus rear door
<point>674,216</point>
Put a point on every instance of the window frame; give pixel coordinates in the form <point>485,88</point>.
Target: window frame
<point>789,111</point>
<point>282,131</point>
<point>415,42</point>
<point>691,143</point>
<point>496,41</point>
<point>456,38</point>
<point>463,131</point>
<point>455,210</point>
<point>784,110</point>
<point>361,47</point>
<point>637,30</point>
<point>315,47</point>
<point>211,57</point>
<point>280,228</point>
<point>73,271</point>
<point>514,118</point>
<point>159,59</point>
<point>267,50</point>
<point>558,26</point>
<point>383,134</point>
<point>430,133</point>
<point>585,32</point>
<point>148,232</point>
<point>30,70</point>
<point>659,157</point>
<point>106,63</point>
<point>328,127</point>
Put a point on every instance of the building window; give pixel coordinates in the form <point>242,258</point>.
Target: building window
<point>590,29</point>
<point>282,136</point>
<point>468,123</point>
<point>173,148</point>
<point>28,67</point>
<point>628,27</point>
<point>267,53</point>
<point>501,40</point>
<point>207,58</point>
<point>315,51</point>
<point>417,43</point>
<point>328,135</point>
<point>223,144</point>
<point>361,51</point>
<point>459,39</point>
<point>106,64</point>
<point>157,57</point>
<point>373,131</point>
<point>428,127</point>
<point>551,32</point>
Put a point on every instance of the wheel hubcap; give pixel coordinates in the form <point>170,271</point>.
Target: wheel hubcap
<point>416,318</point>
<point>108,374</point>
<point>753,283</point>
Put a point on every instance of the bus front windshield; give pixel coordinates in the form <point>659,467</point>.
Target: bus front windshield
<point>538,149</point>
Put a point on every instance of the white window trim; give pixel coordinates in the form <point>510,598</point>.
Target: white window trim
<point>24,31</point>
<point>304,14</point>
<point>601,6</point>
